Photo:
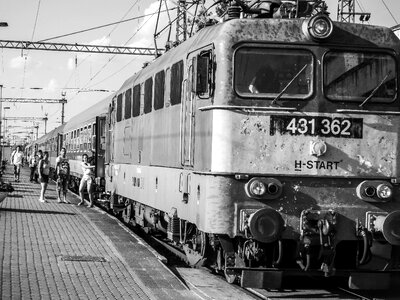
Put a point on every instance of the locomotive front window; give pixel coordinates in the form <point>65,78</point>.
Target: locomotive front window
<point>262,72</point>
<point>354,76</point>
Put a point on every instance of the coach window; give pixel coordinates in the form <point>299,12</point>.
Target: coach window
<point>176,82</point>
<point>266,73</point>
<point>148,95</point>
<point>357,76</point>
<point>136,101</point>
<point>128,103</point>
<point>119,108</point>
<point>159,90</point>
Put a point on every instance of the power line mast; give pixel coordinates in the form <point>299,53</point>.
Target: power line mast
<point>181,21</point>
<point>346,12</point>
<point>62,101</point>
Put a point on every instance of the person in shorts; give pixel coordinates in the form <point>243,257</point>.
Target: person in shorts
<point>87,179</point>
<point>62,171</point>
<point>44,172</point>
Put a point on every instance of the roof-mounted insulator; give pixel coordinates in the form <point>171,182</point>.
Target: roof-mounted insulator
<point>234,12</point>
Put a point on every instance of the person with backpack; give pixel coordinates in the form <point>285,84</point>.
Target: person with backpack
<point>62,171</point>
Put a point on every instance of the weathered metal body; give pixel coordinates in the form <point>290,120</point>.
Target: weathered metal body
<point>192,163</point>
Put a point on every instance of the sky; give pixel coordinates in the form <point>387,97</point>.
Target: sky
<point>47,74</point>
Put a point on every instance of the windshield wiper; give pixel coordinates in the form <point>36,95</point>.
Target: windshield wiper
<point>289,83</point>
<point>376,89</point>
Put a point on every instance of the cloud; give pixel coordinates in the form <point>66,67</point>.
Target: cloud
<point>71,63</point>
<point>104,41</point>
<point>145,36</point>
<point>52,85</point>
<point>19,62</point>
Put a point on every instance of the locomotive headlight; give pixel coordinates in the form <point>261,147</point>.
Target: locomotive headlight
<point>263,188</point>
<point>318,27</point>
<point>370,191</point>
<point>375,191</point>
<point>384,191</point>
<point>257,188</point>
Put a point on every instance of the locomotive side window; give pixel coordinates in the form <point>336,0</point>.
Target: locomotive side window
<point>159,90</point>
<point>148,95</point>
<point>202,76</point>
<point>355,76</point>
<point>176,82</point>
<point>264,72</point>
<point>119,108</point>
<point>136,101</point>
<point>128,104</point>
<point>167,86</point>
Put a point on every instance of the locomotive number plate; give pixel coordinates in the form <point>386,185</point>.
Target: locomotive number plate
<point>319,126</point>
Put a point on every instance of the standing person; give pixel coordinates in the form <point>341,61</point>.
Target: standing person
<point>39,157</point>
<point>33,161</point>
<point>17,158</point>
<point>87,179</point>
<point>44,171</point>
<point>62,171</point>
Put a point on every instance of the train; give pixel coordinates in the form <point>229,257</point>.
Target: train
<point>265,146</point>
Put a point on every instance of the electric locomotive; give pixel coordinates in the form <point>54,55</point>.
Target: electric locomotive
<point>264,147</point>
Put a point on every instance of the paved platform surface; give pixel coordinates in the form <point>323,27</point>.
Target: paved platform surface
<point>64,251</point>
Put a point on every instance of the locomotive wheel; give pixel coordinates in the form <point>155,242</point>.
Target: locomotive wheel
<point>127,213</point>
<point>230,276</point>
<point>196,257</point>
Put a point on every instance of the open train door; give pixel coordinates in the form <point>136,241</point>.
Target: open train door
<point>59,143</point>
<point>109,133</point>
<point>100,146</point>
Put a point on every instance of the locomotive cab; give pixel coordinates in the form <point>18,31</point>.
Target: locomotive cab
<point>306,118</point>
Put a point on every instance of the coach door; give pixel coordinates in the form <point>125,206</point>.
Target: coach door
<point>109,133</point>
<point>100,145</point>
<point>59,143</point>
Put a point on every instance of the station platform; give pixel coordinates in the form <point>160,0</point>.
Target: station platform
<point>63,251</point>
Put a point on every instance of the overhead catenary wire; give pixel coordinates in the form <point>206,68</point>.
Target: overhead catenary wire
<point>33,35</point>
<point>387,8</point>
<point>109,34</point>
<point>105,65</point>
<point>363,10</point>
<point>100,26</point>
